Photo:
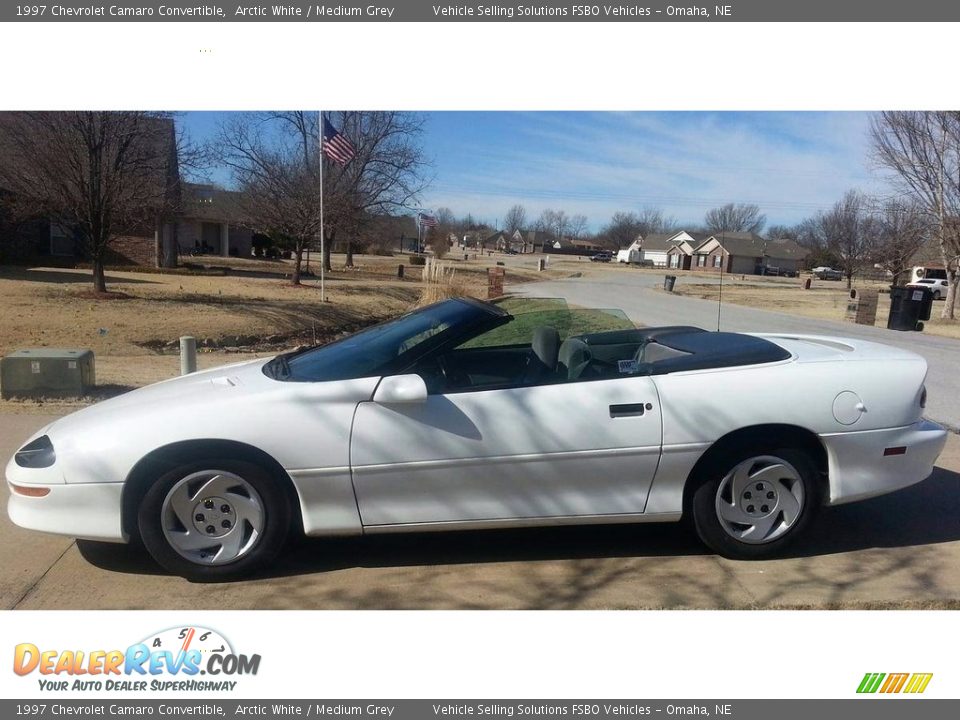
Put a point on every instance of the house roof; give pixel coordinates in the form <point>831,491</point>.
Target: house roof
<point>747,244</point>
<point>657,242</point>
<point>211,203</point>
<point>786,250</point>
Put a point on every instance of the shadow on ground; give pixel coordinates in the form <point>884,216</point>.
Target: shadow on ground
<point>919,517</point>
<point>60,277</point>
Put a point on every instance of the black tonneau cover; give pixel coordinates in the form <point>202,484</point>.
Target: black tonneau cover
<point>716,350</point>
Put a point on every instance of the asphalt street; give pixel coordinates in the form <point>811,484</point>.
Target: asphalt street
<point>639,294</point>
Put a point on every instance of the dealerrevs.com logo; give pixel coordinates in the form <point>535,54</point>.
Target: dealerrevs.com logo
<point>177,659</point>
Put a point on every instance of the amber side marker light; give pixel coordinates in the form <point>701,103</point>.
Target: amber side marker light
<point>27,491</point>
<point>887,452</point>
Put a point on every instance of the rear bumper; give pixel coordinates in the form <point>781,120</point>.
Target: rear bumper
<point>89,511</point>
<point>859,469</point>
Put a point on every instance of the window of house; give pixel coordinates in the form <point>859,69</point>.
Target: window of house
<point>61,240</point>
<point>717,260</point>
<point>701,260</point>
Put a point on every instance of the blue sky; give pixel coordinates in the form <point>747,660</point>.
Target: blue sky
<point>597,163</point>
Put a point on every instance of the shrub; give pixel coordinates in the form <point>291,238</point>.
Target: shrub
<point>440,282</point>
<point>418,260</point>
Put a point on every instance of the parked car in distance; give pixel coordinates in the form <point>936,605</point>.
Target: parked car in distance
<point>937,287</point>
<point>827,273</point>
<point>436,421</point>
<point>602,256</point>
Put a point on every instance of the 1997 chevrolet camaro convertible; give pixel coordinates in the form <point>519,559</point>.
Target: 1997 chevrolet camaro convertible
<point>465,415</point>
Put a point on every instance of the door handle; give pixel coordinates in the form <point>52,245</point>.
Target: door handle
<point>629,410</point>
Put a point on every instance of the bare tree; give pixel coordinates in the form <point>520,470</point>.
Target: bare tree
<point>578,226</point>
<point>100,173</point>
<point>515,219</point>
<point>386,174</point>
<point>735,218</point>
<point>275,161</point>
<point>922,151</point>
<point>652,221</point>
<point>783,232</point>
<point>446,218</point>
<point>904,228</point>
<point>622,229</point>
<point>556,222</point>
<point>850,232</point>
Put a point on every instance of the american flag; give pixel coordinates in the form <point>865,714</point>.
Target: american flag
<point>336,145</point>
<point>427,220</point>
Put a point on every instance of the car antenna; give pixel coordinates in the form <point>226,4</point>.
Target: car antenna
<point>720,296</point>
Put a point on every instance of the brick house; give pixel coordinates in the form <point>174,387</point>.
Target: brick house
<point>730,252</point>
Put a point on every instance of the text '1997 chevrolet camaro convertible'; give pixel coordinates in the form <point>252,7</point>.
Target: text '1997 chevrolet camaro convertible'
<point>466,414</point>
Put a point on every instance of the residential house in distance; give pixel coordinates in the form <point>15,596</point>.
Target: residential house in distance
<point>566,246</point>
<point>784,257</point>
<point>211,223</point>
<point>730,252</point>
<point>680,253</point>
<point>747,253</point>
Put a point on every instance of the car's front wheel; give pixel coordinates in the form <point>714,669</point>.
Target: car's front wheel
<point>754,504</point>
<point>215,519</point>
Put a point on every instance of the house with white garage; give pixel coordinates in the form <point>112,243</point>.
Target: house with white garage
<point>656,248</point>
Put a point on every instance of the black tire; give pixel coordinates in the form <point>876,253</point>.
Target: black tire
<point>704,504</point>
<point>277,522</point>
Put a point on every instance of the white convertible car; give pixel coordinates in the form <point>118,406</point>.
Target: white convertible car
<point>466,415</point>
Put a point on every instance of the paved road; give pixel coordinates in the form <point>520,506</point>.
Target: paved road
<point>902,550</point>
<point>637,293</point>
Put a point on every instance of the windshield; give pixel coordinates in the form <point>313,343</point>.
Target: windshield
<point>382,348</point>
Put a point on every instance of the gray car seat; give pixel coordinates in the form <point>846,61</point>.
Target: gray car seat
<point>546,348</point>
<point>573,358</point>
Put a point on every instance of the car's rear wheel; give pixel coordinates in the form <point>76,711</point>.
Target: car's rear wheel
<point>936,294</point>
<point>214,519</point>
<point>754,504</point>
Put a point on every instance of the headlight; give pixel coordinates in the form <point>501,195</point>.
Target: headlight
<point>36,454</point>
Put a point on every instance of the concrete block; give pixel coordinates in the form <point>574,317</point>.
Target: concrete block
<point>40,372</point>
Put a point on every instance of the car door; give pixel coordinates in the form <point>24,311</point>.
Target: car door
<point>547,451</point>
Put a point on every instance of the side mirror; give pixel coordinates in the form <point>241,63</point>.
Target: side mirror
<point>401,389</point>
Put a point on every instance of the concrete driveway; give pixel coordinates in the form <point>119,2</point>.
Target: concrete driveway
<point>637,293</point>
<point>902,550</point>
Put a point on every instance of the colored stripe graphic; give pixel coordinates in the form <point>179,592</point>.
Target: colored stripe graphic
<point>913,683</point>
<point>894,682</point>
<point>870,682</point>
<point>918,682</point>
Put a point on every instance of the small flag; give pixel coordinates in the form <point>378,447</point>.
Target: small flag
<point>336,145</point>
<point>427,220</point>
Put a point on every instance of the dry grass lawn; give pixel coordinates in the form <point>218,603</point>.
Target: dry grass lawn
<point>237,309</point>
<point>826,300</point>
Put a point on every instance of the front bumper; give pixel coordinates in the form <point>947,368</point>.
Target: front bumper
<point>859,469</point>
<point>89,511</point>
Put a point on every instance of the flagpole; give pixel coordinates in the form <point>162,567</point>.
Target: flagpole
<point>323,239</point>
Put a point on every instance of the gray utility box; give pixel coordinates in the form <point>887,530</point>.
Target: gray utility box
<point>46,372</point>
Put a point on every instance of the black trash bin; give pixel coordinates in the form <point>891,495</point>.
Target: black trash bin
<point>908,306</point>
<point>668,282</point>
